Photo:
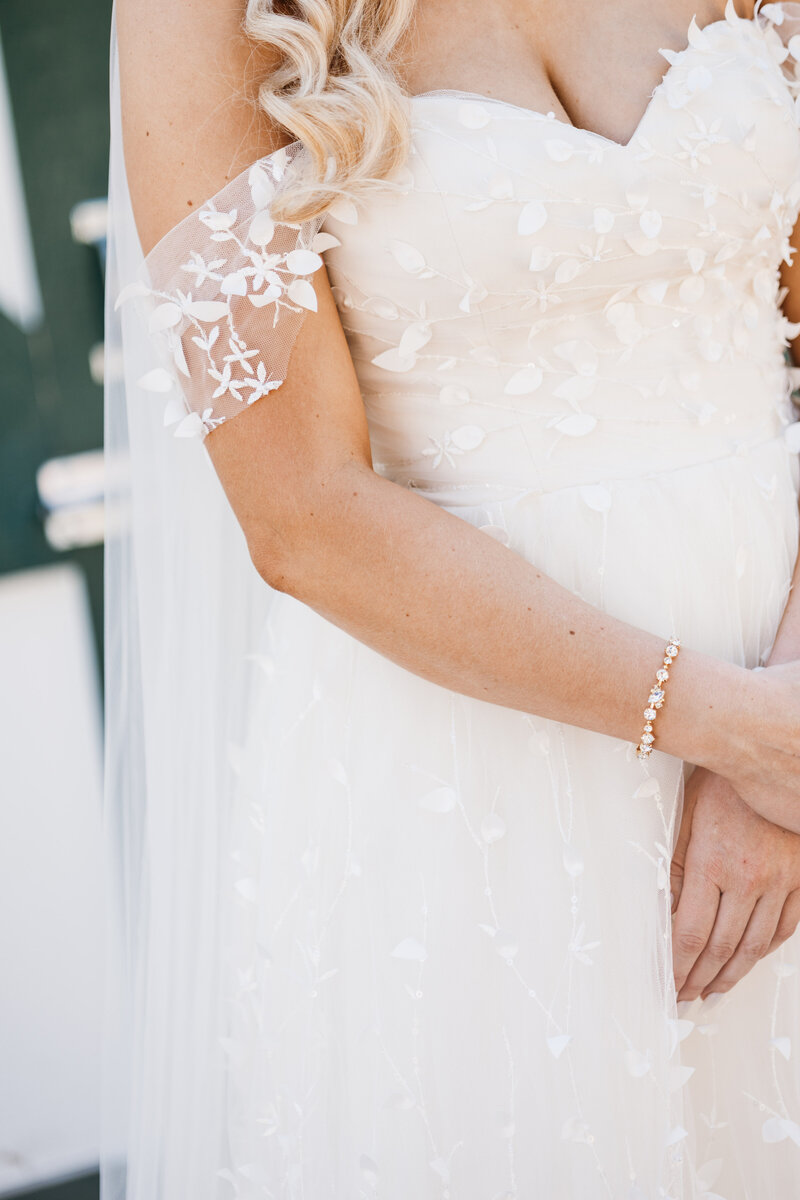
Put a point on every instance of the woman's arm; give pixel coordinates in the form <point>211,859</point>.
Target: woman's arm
<point>422,587</point>
<point>724,849</point>
<point>188,80</point>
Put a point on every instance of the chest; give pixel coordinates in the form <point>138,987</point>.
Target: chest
<point>593,65</point>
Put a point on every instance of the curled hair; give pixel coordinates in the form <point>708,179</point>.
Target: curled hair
<point>334,90</point>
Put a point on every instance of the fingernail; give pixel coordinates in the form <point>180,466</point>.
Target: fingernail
<point>712,1000</point>
<point>683,1005</point>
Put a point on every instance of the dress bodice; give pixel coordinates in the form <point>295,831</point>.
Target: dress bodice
<point>537,304</point>
<point>529,305</point>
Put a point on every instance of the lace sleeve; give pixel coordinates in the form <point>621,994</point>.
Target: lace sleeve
<point>227,290</point>
<point>783,26</point>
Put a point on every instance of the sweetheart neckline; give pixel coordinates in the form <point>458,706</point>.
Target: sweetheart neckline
<point>731,19</point>
<point>759,21</point>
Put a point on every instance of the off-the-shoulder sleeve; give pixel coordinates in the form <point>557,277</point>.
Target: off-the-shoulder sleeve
<point>782,22</point>
<point>226,292</point>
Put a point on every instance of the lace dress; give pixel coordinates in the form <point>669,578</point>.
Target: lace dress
<point>446,932</point>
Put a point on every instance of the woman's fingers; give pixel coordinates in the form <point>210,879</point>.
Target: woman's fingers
<point>694,920</point>
<point>753,944</point>
<point>788,921</point>
<point>677,870</point>
<point>736,879</point>
<point>677,874</point>
<point>732,927</point>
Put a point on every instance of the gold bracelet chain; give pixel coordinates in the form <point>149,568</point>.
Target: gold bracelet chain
<point>656,699</point>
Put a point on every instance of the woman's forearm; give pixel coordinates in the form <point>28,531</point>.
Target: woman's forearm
<point>444,600</point>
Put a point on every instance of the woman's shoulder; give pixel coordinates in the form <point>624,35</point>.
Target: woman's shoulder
<point>189,78</point>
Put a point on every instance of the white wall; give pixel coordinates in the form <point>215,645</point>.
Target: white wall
<point>51,923</point>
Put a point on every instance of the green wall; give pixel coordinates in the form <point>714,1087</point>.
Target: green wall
<point>56,57</point>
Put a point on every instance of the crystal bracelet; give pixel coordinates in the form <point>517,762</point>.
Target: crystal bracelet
<point>656,698</point>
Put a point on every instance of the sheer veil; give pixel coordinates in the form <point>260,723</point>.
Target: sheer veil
<point>182,604</point>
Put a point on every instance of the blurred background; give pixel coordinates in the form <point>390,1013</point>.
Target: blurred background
<point>53,178</point>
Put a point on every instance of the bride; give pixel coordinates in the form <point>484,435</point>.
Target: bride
<point>453,777</point>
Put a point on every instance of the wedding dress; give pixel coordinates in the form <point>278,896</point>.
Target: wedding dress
<point>428,951</point>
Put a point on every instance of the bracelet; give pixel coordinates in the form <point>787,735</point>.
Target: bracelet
<point>656,698</point>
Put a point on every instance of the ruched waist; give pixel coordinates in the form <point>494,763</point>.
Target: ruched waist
<point>471,492</point>
<point>472,439</point>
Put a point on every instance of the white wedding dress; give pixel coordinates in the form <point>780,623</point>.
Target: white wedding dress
<point>444,926</point>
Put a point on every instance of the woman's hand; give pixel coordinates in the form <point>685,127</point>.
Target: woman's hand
<point>736,887</point>
<point>762,758</point>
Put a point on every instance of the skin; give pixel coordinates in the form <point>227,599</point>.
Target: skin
<point>417,584</point>
<point>735,876</point>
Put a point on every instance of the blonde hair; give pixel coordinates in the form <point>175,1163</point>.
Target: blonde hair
<point>334,90</point>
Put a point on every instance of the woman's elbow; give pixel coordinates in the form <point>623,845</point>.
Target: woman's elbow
<point>292,545</point>
<point>290,551</point>
<point>276,559</point>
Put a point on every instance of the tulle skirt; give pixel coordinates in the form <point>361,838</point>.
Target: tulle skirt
<point>445,925</point>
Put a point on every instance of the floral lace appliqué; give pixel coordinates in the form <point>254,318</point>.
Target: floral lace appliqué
<point>228,289</point>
